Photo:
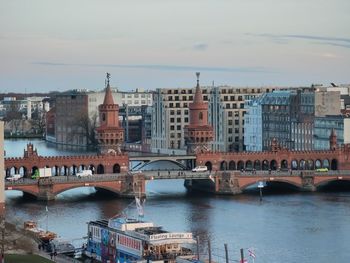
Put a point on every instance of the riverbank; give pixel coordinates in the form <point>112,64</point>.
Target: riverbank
<point>17,241</point>
<point>21,246</point>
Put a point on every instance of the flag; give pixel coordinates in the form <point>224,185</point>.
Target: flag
<point>251,253</point>
<point>47,210</point>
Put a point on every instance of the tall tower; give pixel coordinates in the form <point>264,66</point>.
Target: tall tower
<point>109,135</point>
<point>198,134</point>
<point>333,140</point>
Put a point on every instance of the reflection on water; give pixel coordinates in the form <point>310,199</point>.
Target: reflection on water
<point>293,227</point>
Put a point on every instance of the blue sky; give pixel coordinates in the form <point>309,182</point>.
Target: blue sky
<point>64,44</point>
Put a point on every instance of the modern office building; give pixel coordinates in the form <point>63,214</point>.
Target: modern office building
<point>323,129</point>
<point>285,116</point>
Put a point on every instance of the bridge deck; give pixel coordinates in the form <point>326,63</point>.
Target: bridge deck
<point>175,174</point>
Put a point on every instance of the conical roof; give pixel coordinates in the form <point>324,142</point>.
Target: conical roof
<point>108,96</point>
<point>198,97</point>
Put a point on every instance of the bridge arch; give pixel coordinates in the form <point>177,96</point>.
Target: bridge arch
<point>257,165</point>
<point>275,181</point>
<point>240,165</point>
<point>265,165</point>
<point>318,164</point>
<point>170,164</point>
<point>34,169</point>
<point>327,181</point>
<point>92,168</point>
<point>209,166</point>
<point>109,189</point>
<point>334,164</point>
<point>116,168</point>
<point>325,163</point>
<point>100,169</point>
<point>24,191</point>
<point>273,165</point>
<point>310,165</point>
<point>249,165</point>
<point>223,166</point>
<point>284,164</point>
<point>232,165</point>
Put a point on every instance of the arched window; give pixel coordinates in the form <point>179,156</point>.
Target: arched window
<point>103,116</point>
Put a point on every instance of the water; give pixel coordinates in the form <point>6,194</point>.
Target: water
<point>293,227</point>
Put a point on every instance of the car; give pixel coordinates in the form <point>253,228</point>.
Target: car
<point>84,173</point>
<point>14,177</point>
<point>322,170</point>
<point>200,169</point>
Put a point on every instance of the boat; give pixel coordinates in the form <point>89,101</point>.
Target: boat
<point>44,236</point>
<point>133,240</point>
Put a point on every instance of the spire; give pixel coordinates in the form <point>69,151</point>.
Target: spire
<point>108,95</point>
<point>198,98</point>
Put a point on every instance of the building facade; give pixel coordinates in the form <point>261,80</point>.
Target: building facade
<point>76,115</point>
<point>225,113</point>
<point>284,115</point>
<point>323,129</point>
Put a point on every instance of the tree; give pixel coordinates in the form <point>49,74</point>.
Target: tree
<point>83,125</point>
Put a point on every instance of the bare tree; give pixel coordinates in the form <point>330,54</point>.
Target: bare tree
<point>13,112</point>
<point>39,121</point>
<point>83,125</point>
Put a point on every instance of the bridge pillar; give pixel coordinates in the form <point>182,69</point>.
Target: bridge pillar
<point>226,183</point>
<point>133,185</point>
<point>307,179</point>
<point>45,189</point>
<point>221,183</point>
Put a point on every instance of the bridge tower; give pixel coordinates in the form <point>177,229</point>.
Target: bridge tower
<point>109,134</point>
<point>198,133</point>
<point>333,140</point>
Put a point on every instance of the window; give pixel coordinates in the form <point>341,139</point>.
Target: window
<point>201,115</point>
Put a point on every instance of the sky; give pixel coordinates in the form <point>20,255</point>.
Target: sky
<point>48,45</point>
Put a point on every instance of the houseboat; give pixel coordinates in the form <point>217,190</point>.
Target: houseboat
<point>132,240</point>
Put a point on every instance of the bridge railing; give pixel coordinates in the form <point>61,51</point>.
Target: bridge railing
<point>65,179</point>
<point>156,175</point>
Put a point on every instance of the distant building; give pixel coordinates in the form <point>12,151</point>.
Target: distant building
<point>323,129</point>
<point>76,115</point>
<point>225,113</point>
<point>285,116</point>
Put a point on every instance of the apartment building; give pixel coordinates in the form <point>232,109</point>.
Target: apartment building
<point>225,113</point>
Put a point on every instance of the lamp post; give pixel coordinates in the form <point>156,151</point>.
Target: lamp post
<point>260,186</point>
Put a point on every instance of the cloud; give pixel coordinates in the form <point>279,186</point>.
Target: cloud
<point>322,40</point>
<point>163,67</point>
<point>200,47</point>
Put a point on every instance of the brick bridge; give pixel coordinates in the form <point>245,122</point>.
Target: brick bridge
<point>229,173</point>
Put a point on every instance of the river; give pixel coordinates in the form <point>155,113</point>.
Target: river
<point>284,227</point>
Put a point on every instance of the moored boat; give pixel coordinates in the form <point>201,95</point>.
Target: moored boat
<point>44,236</point>
<point>131,240</point>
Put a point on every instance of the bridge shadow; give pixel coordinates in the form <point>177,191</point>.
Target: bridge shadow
<point>272,188</point>
<point>335,186</point>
